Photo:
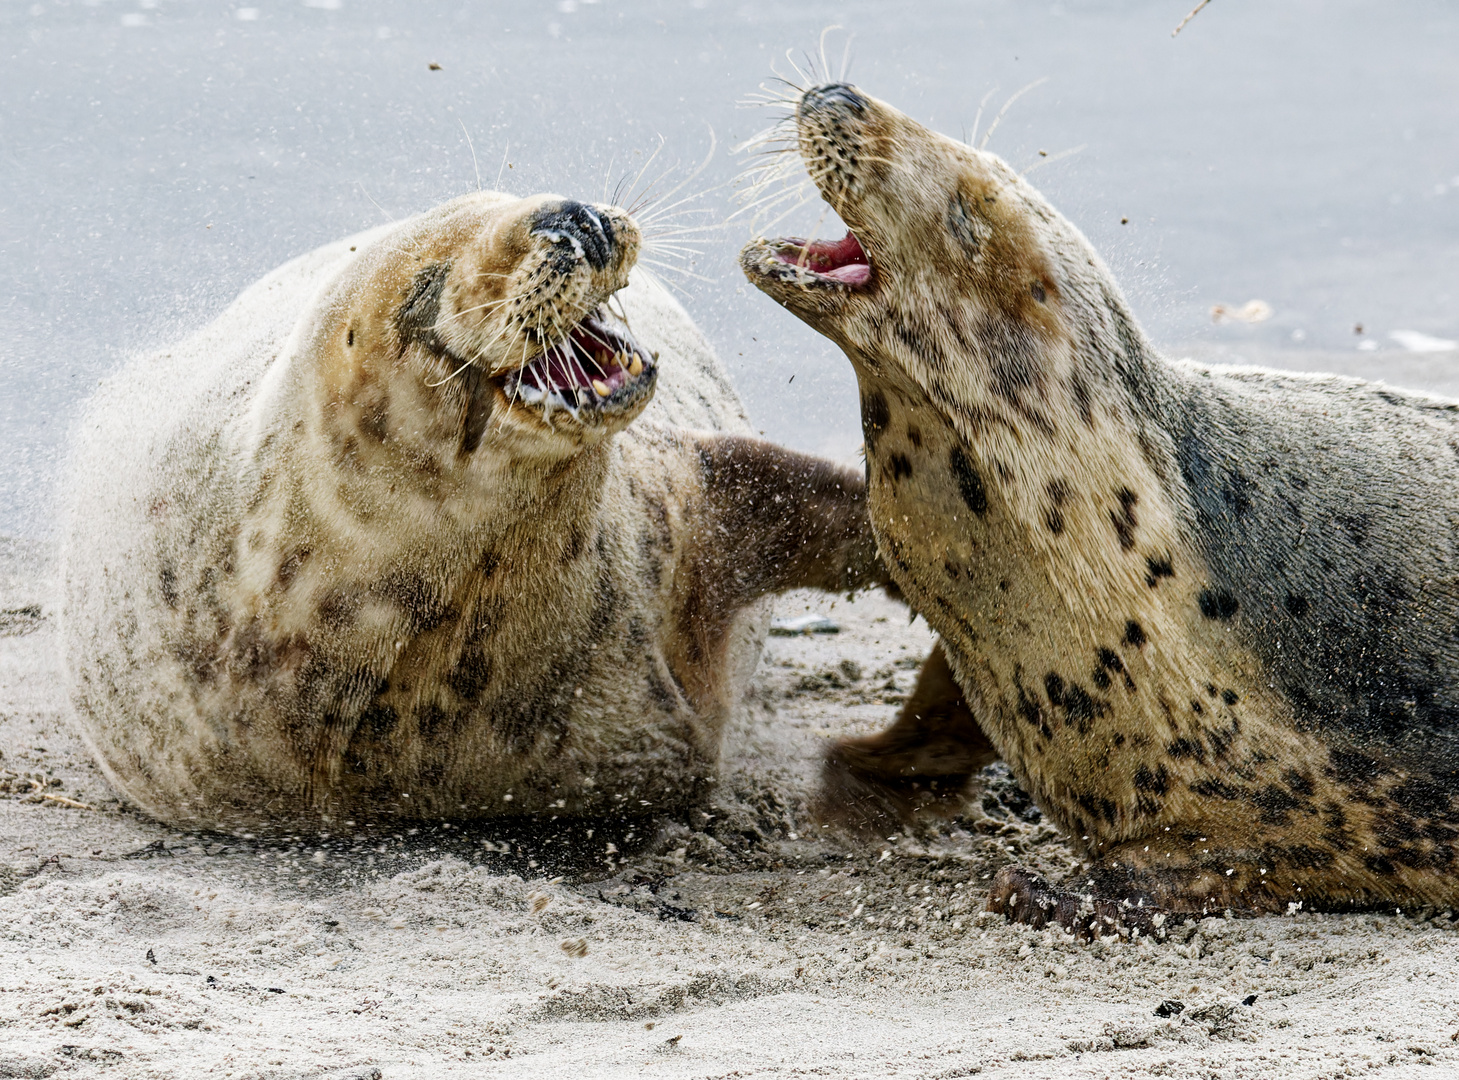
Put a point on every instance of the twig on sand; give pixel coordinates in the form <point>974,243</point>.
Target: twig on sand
<point>67,802</point>
<point>1194,12</point>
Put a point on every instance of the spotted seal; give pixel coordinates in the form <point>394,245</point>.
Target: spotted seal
<point>391,539</point>
<point>1209,616</point>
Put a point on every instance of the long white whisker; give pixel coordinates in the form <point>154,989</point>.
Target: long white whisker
<point>475,167</point>
<point>978,118</point>
<point>378,207</point>
<point>507,149</point>
<point>825,67</point>
<point>1003,111</point>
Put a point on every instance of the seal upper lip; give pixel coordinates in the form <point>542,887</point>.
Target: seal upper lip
<point>598,366</point>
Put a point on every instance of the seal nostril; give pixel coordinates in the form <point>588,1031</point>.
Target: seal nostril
<point>579,225</point>
<point>834,95</point>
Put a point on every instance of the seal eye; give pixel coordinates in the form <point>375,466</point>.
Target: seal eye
<point>967,225</point>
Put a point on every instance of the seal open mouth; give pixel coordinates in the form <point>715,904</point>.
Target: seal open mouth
<point>597,367</point>
<point>821,262</point>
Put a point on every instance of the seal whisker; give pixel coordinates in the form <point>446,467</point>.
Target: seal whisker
<point>506,149</point>
<point>475,167</point>
<point>1006,106</point>
<point>978,116</point>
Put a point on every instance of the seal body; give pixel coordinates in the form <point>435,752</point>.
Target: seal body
<point>390,537</point>
<point>1208,615</point>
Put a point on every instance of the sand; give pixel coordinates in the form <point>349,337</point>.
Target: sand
<point>746,942</point>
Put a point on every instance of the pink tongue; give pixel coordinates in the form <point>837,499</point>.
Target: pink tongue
<point>854,274</point>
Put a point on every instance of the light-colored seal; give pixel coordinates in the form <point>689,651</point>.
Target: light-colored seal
<point>1209,616</point>
<point>381,541</point>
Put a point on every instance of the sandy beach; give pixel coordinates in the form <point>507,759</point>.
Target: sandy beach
<point>748,942</point>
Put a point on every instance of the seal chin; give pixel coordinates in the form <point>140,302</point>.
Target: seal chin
<point>595,375</point>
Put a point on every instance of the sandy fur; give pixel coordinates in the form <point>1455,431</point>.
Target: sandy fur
<point>318,569</point>
<point>1074,515</point>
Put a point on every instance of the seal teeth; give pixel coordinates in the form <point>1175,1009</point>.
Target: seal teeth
<point>601,387</point>
<point>636,368</point>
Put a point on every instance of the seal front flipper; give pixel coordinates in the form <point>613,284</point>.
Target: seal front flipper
<point>926,757</point>
<point>774,520</point>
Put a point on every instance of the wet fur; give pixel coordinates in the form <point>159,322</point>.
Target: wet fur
<point>319,570</point>
<point>1208,615</point>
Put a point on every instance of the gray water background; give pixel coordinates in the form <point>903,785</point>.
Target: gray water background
<point>157,156</point>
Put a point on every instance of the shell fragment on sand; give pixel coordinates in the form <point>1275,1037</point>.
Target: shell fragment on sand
<point>1414,341</point>
<point>803,624</point>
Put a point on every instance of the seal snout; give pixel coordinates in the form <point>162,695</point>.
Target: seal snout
<point>833,97</point>
<point>579,231</point>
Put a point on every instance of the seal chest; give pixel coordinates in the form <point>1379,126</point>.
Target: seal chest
<point>418,528</point>
<point>1204,613</point>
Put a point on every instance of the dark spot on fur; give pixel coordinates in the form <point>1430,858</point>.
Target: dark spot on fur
<point>1123,519</point>
<point>337,609</point>
<point>1055,521</point>
<point>1058,492</point>
<point>574,546</point>
<point>1038,293</point>
<point>901,467</point>
<point>969,483</point>
<point>1134,634</point>
<point>1297,783</point>
<point>1378,864</point>
<point>1297,606</point>
<point>1217,605</point>
<point>480,400</point>
<point>914,436</point>
<point>1083,399</point>
<point>378,719</point>
<point>290,567</point>
<point>1186,748</point>
<point>875,416</point>
<point>472,672</point>
<point>1080,707</point>
<point>1197,707</point>
<point>167,582</point>
<point>1230,697</point>
<point>1155,569</point>
<point>1218,789</point>
<point>1276,804</point>
<point>1157,781</point>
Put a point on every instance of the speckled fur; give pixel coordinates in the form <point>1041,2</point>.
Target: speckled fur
<point>1210,616</point>
<point>319,571</point>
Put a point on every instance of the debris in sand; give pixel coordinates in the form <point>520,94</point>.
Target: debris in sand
<point>1253,311</point>
<point>575,947</point>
